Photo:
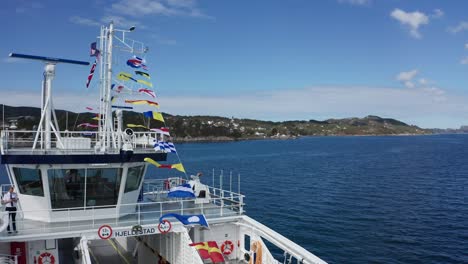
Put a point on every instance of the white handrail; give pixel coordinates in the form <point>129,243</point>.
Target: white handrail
<point>5,220</point>
<point>282,242</point>
<point>27,140</point>
<point>86,259</point>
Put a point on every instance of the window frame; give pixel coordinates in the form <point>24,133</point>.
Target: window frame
<point>21,185</point>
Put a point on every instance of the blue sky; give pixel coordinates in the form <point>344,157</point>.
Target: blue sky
<point>263,59</point>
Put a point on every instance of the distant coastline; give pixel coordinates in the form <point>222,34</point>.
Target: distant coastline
<point>222,129</point>
<point>228,139</point>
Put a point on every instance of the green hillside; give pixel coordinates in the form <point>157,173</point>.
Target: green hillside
<point>221,128</point>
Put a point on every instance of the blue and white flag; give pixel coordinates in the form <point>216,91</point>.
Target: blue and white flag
<point>188,219</point>
<point>181,191</point>
<point>167,147</point>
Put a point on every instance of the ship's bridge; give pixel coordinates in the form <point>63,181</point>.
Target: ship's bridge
<point>74,174</point>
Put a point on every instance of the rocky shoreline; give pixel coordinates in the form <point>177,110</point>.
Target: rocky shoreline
<point>212,139</point>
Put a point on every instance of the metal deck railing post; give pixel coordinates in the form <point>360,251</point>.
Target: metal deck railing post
<point>69,219</point>
<point>139,214</point>
<point>93,217</point>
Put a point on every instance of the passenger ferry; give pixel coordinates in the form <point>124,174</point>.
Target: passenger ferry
<point>83,196</point>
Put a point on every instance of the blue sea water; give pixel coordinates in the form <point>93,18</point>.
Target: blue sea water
<point>399,199</point>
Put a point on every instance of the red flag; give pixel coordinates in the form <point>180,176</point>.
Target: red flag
<point>91,73</point>
<point>209,250</point>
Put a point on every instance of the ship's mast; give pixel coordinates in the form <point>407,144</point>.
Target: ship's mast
<point>108,137</point>
<point>106,110</point>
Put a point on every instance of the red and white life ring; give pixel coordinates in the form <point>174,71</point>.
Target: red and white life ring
<point>46,258</point>
<point>227,247</point>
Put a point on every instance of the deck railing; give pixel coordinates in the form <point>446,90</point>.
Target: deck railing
<point>69,141</point>
<point>155,188</point>
<point>134,214</point>
<point>8,259</point>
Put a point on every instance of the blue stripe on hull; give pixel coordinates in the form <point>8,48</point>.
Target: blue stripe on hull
<point>80,159</point>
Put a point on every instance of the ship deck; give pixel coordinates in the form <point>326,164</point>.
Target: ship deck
<point>146,213</point>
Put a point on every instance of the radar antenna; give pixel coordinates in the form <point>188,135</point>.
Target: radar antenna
<point>46,124</point>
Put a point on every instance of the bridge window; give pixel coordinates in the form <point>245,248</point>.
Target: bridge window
<point>70,187</point>
<point>102,186</point>
<point>29,181</point>
<point>134,176</point>
<point>66,188</point>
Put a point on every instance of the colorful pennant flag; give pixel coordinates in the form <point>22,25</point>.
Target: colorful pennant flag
<point>88,125</point>
<point>94,51</point>
<point>125,76</point>
<point>167,147</point>
<point>181,191</point>
<point>136,62</point>
<point>144,74</point>
<point>97,117</point>
<point>147,91</point>
<point>209,250</point>
<point>140,102</point>
<point>145,83</point>
<point>120,89</point>
<point>188,219</point>
<point>154,115</point>
<point>91,73</point>
<point>122,107</point>
<point>177,166</point>
<point>162,130</point>
<point>89,108</point>
<point>135,126</point>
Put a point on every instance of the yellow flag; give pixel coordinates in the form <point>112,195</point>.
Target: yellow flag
<point>145,83</point>
<point>135,126</point>
<point>124,76</point>
<point>150,160</point>
<point>158,116</point>
<point>178,167</point>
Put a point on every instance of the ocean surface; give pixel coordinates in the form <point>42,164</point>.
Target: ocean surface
<point>398,199</point>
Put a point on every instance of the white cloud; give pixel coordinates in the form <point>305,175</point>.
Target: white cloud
<point>356,2</point>
<point>423,84</point>
<point>13,60</point>
<point>413,20</point>
<point>182,3</point>
<point>84,21</point>
<point>423,81</point>
<point>158,7</point>
<point>119,21</point>
<point>27,6</point>
<point>409,105</point>
<point>407,78</point>
<point>462,26</point>
<point>466,45</point>
<point>438,13</point>
<point>464,60</point>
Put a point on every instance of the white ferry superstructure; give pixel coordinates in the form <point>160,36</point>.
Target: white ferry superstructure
<point>83,197</point>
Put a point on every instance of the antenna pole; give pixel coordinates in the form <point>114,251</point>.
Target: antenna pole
<point>49,72</point>
<point>107,100</point>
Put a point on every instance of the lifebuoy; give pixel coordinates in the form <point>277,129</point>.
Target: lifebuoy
<point>227,247</point>
<point>46,258</point>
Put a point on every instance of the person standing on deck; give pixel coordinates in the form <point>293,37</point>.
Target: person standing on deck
<point>10,199</point>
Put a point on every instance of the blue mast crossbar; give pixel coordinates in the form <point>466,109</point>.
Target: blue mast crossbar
<point>47,59</point>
